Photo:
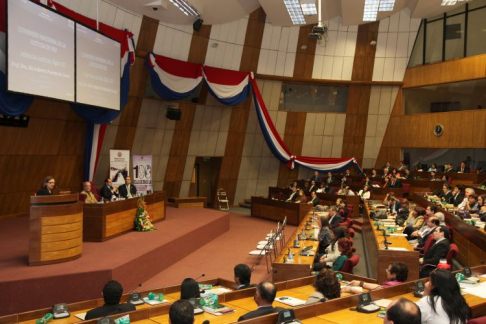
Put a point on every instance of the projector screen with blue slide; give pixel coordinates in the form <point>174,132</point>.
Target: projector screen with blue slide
<point>98,69</point>
<point>40,58</point>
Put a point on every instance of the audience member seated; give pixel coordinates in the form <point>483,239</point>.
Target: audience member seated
<point>190,289</point>
<point>112,292</point>
<point>364,193</point>
<point>108,191</point>
<point>386,173</point>
<point>394,182</point>
<point>264,297</point>
<point>457,196</point>
<point>423,234</point>
<point>342,209</point>
<point>330,179</point>
<point>407,175</point>
<point>327,287</point>
<point>334,217</point>
<point>181,312</point>
<point>301,199</point>
<point>293,195</point>
<point>344,181</point>
<point>87,196</point>
<point>346,249</point>
<point>47,186</point>
<point>414,222</point>
<point>433,176</point>
<point>314,201</point>
<point>467,193</point>
<point>368,182</point>
<point>443,301</point>
<point>313,186</point>
<point>127,190</point>
<point>306,187</point>
<point>446,193</point>
<point>347,173</point>
<point>374,173</point>
<point>402,166</point>
<point>482,208</point>
<point>386,182</point>
<point>402,311</point>
<point>449,167</point>
<point>463,168</point>
<point>315,177</point>
<point>395,173</point>
<point>403,213</point>
<point>472,206</point>
<point>332,252</point>
<point>342,190</point>
<point>321,188</point>
<point>294,185</point>
<point>433,168</point>
<point>387,166</point>
<point>396,273</point>
<point>242,276</point>
<point>325,235</point>
<point>436,252</point>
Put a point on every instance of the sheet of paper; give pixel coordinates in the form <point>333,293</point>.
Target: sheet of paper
<point>81,316</point>
<point>479,291</point>
<point>154,302</point>
<point>398,234</point>
<point>382,302</point>
<point>397,248</point>
<point>219,291</point>
<point>291,301</point>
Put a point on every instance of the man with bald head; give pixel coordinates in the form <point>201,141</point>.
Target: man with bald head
<point>402,311</point>
<point>87,195</point>
<point>264,297</point>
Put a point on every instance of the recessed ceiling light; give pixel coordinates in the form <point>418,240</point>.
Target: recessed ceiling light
<point>371,10</point>
<point>308,7</point>
<point>187,8</point>
<point>386,5</point>
<point>295,12</point>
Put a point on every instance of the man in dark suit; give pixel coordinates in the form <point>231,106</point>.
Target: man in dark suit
<point>393,205</point>
<point>449,167</point>
<point>334,217</point>
<point>436,252</point>
<point>315,177</point>
<point>457,196</point>
<point>314,199</point>
<point>181,312</point>
<point>422,237</point>
<point>127,190</point>
<point>112,292</point>
<point>446,193</point>
<point>242,276</point>
<point>293,195</point>
<point>394,183</point>
<point>329,179</point>
<point>313,187</point>
<point>264,297</point>
<point>108,191</point>
<point>463,168</point>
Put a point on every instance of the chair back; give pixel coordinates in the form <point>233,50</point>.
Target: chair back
<point>429,243</point>
<point>453,252</point>
<point>350,264</point>
<point>479,320</point>
<point>406,188</point>
<point>351,232</point>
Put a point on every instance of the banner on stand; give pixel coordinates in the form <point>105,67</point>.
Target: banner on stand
<point>119,166</point>
<point>142,173</point>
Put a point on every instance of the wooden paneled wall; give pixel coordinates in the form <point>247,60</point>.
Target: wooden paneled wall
<point>457,70</point>
<point>230,166</point>
<point>359,95</point>
<point>53,144</point>
<point>306,49</point>
<point>138,82</point>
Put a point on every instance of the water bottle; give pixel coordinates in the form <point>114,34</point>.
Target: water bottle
<point>45,319</point>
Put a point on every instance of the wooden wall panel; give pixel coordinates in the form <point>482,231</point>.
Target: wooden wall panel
<point>444,72</point>
<point>138,82</point>
<point>304,58</point>
<point>199,42</point>
<point>359,95</point>
<point>230,166</point>
<point>53,144</point>
<point>293,137</point>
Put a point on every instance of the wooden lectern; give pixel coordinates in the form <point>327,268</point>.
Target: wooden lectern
<point>56,229</point>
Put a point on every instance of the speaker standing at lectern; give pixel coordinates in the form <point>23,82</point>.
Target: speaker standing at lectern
<point>47,186</point>
<point>127,190</point>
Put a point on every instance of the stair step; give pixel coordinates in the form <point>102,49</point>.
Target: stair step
<point>358,224</point>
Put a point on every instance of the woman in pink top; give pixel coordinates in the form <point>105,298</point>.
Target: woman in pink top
<point>396,273</point>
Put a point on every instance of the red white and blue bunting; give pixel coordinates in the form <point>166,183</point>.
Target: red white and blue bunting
<point>174,80</point>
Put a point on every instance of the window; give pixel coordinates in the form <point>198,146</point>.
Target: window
<point>313,97</point>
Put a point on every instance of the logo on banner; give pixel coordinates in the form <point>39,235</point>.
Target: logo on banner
<point>142,173</point>
<point>119,166</point>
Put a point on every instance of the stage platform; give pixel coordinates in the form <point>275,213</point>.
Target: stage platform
<point>131,259</point>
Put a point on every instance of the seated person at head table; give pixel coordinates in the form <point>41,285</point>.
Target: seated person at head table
<point>127,190</point>
<point>313,187</point>
<point>242,276</point>
<point>315,177</point>
<point>314,199</point>
<point>327,287</point>
<point>402,311</point>
<point>396,273</point>
<point>332,251</point>
<point>344,180</point>
<point>433,168</point>
<point>293,195</point>
<point>87,195</point>
<point>47,186</point>
<point>347,250</point>
<point>443,301</point>
<point>190,289</point>
<point>301,199</point>
<point>108,191</point>
<point>436,252</point>
<point>264,296</point>
<point>181,312</point>
<point>112,292</point>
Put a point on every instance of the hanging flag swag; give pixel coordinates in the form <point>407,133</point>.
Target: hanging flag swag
<point>175,80</point>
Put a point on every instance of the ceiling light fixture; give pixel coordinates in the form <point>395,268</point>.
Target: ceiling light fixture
<point>308,7</point>
<point>185,7</point>
<point>386,5</point>
<point>371,10</point>
<point>295,12</point>
<point>452,2</point>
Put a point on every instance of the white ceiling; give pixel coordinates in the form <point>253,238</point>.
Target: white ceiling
<point>221,11</point>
